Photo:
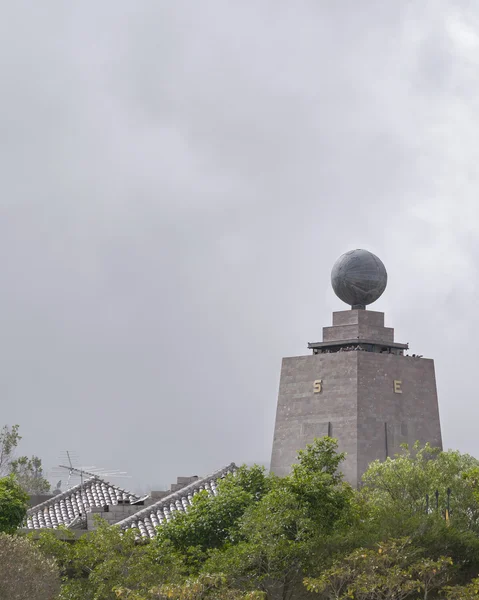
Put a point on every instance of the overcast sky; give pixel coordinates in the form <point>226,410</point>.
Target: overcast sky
<point>177,179</point>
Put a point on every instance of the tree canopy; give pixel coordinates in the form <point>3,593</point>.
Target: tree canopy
<point>13,504</point>
<point>9,438</point>
<point>307,534</point>
<point>28,472</point>
<point>25,573</point>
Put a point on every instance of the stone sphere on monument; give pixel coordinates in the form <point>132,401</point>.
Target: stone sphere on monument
<point>359,278</point>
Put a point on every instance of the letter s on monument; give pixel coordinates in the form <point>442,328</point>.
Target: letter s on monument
<point>318,386</point>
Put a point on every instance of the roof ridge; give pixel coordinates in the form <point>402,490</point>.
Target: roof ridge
<point>57,497</point>
<point>176,495</point>
<point>72,490</point>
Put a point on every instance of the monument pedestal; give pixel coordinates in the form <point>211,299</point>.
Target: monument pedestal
<point>358,387</point>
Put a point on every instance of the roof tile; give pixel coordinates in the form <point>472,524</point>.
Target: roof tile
<point>150,517</point>
<point>73,504</point>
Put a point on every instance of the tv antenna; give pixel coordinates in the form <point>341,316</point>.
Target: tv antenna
<point>70,463</point>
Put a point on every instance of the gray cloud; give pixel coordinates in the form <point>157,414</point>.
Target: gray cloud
<point>177,181</point>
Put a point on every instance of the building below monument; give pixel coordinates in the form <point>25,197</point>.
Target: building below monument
<point>77,508</point>
<point>358,386</point>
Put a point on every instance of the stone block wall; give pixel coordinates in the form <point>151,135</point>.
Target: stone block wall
<point>112,514</point>
<point>358,403</point>
<point>303,415</point>
<point>389,418</point>
<point>360,325</point>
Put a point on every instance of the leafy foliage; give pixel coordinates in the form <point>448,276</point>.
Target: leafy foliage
<point>398,487</point>
<point>25,572</point>
<point>9,438</point>
<point>392,571</point>
<point>307,533</point>
<point>462,592</point>
<point>27,471</point>
<point>279,533</point>
<point>29,474</point>
<point>13,504</point>
<point>214,587</point>
<point>105,559</point>
<point>214,521</point>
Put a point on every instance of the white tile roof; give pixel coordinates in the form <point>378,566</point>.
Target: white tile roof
<point>147,519</point>
<point>70,507</point>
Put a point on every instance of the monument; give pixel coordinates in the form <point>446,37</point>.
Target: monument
<point>358,385</point>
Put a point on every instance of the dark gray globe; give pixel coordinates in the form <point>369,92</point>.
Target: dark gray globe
<point>359,278</point>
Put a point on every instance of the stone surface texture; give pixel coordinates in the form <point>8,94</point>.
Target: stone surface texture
<point>360,325</point>
<point>358,404</point>
<point>359,278</point>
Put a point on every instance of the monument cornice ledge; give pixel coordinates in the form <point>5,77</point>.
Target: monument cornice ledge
<point>357,340</point>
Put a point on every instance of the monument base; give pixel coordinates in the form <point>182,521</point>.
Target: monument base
<point>358,387</point>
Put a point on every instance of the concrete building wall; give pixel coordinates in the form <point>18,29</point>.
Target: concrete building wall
<point>115,513</point>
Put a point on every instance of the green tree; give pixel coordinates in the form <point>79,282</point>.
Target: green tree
<point>25,572</point>
<point>9,438</point>
<point>109,562</point>
<point>278,535</point>
<point>261,533</point>
<point>276,542</point>
<point>462,592</point>
<point>107,559</point>
<point>317,483</point>
<point>394,570</point>
<point>392,504</point>
<point>27,471</point>
<point>13,504</point>
<point>395,491</point>
<point>213,521</point>
<point>214,587</point>
<point>29,474</point>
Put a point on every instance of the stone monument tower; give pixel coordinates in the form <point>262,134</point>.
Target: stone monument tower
<point>358,385</point>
